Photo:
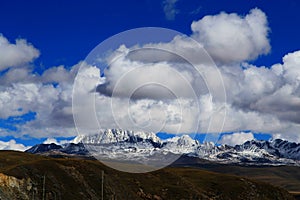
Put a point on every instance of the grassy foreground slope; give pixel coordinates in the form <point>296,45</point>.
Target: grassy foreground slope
<point>287,177</point>
<point>22,177</point>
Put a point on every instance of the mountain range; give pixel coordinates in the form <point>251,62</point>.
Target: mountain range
<point>138,145</point>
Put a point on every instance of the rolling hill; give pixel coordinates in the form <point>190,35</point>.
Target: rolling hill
<point>29,176</point>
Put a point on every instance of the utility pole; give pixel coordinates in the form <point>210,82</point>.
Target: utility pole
<point>44,183</point>
<point>102,184</point>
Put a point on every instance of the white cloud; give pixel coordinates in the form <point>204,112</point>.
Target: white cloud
<point>50,141</point>
<point>236,138</point>
<point>293,136</point>
<point>170,9</point>
<point>18,54</point>
<point>290,68</point>
<point>261,99</point>
<point>250,89</point>
<point>14,75</point>
<point>147,80</point>
<point>22,91</point>
<point>232,38</point>
<point>281,89</point>
<point>60,74</point>
<point>52,106</point>
<point>12,145</point>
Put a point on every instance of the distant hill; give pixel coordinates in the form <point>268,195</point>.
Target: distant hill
<point>22,177</point>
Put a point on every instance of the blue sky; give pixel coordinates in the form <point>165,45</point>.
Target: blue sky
<point>64,32</point>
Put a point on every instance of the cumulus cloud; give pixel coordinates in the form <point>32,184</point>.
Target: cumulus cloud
<point>282,90</point>
<point>84,100</point>
<point>147,80</point>
<point>18,54</point>
<point>12,145</point>
<point>262,99</point>
<point>96,111</point>
<point>236,138</point>
<point>50,141</point>
<point>232,38</point>
<point>182,100</point>
<point>291,136</point>
<point>170,9</point>
<point>48,95</point>
<point>156,96</point>
<point>53,113</point>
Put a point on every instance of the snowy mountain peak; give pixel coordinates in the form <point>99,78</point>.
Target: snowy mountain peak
<point>119,143</point>
<point>183,140</point>
<point>111,136</point>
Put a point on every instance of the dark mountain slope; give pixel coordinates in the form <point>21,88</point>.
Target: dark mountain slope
<point>22,177</point>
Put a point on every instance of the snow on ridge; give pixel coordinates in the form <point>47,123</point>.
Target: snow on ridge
<point>139,143</point>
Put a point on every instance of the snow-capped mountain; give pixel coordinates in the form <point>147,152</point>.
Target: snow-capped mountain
<point>276,150</point>
<point>115,136</point>
<point>41,148</point>
<point>146,146</point>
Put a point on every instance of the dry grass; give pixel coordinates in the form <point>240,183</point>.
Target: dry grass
<point>72,178</point>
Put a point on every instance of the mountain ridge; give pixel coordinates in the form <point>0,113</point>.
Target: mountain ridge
<point>120,142</point>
